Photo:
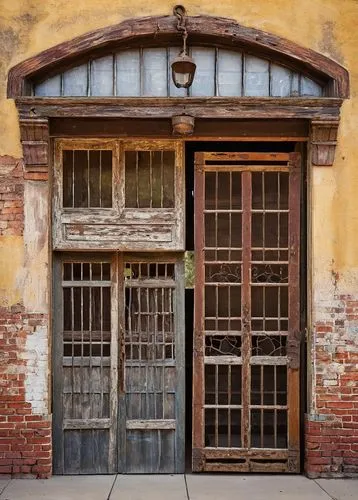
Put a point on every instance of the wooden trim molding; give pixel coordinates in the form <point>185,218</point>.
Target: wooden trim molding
<point>163,30</point>
<point>322,113</point>
<point>323,142</point>
<point>34,135</point>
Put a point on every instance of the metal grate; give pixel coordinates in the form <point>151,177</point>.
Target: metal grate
<point>86,289</point>
<point>149,179</point>
<point>87,178</point>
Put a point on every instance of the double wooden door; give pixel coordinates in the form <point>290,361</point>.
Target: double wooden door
<point>247,313</point>
<point>118,364</point>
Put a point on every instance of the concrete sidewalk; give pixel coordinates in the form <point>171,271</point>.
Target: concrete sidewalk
<point>179,487</point>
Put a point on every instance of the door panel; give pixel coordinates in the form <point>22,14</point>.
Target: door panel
<point>246,339</point>
<point>85,376</point>
<point>154,366</point>
<point>118,396</point>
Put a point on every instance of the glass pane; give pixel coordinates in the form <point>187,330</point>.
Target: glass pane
<point>280,81</point>
<point>229,73</point>
<point>75,81</point>
<point>204,80</point>
<point>102,76</point>
<point>49,88</point>
<point>256,77</point>
<point>128,73</point>
<point>310,88</point>
<point>155,72</point>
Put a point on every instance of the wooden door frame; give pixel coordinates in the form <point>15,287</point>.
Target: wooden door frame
<point>294,340</point>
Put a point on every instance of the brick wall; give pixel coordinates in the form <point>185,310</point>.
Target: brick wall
<point>11,198</point>
<point>332,426</point>
<point>25,436</point>
<point>25,426</point>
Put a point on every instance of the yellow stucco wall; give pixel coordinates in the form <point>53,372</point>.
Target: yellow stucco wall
<point>328,26</point>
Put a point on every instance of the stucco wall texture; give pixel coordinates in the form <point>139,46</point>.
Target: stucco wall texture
<point>28,27</point>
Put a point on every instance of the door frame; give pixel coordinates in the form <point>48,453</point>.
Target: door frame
<point>200,452</point>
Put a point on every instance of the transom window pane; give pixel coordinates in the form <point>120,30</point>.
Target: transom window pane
<point>146,72</point>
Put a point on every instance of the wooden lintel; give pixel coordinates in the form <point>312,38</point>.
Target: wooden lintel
<point>215,107</point>
<point>34,135</point>
<point>323,142</point>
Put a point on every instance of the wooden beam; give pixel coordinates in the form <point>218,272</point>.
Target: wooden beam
<point>213,107</point>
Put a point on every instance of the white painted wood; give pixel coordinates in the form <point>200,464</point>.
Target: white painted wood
<point>256,77</point>
<point>173,90</point>
<point>102,76</point>
<point>310,88</point>
<point>204,81</point>
<point>155,72</point>
<point>49,88</point>
<point>280,81</point>
<point>128,73</point>
<point>229,75</point>
<point>75,81</point>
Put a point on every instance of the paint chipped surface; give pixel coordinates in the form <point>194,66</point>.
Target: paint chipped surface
<point>35,353</point>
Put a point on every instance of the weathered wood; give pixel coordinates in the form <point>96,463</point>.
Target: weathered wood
<point>116,227</point>
<point>246,307</point>
<point>323,142</point>
<point>34,136</point>
<point>89,423</point>
<point>294,337</point>
<point>151,424</point>
<point>201,29</point>
<point>267,414</point>
<point>199,108</point>
<point>250,130</point>
<point>198,441</point>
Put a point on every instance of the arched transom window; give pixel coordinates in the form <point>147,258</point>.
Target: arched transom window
<point>145,72</point>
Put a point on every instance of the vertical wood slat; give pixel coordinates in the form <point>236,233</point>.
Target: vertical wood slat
<point>198,344</point>
<point>246,305</point>
<point>294,336</point>
<point>179,331</point>
<point>57,373</point>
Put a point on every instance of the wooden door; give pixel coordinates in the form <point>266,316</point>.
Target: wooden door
<point>247,327</point>
<point>153,354</point>
<point>118,364</point>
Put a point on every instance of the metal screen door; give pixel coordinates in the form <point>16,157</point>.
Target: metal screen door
<point>247,326</point>
<point>118,364</point>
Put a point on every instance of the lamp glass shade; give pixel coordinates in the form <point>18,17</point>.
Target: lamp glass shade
<point>183,71</point>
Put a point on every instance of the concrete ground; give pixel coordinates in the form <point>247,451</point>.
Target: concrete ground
<point>179,487</point>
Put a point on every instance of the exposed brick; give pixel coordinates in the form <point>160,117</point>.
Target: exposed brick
<point>331,445</point>
<point>25,436</point>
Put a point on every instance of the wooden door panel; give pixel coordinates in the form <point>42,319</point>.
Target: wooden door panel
<point>246,340</point>
<point>131,380</point>
<point>85,360</point>
<point>154,365</point>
